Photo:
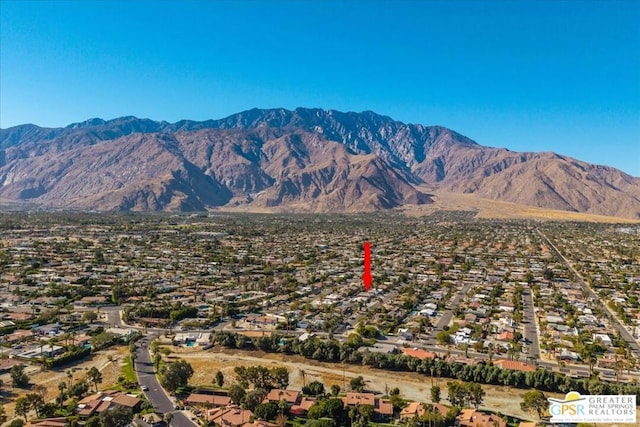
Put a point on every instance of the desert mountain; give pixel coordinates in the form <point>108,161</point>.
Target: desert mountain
<point>303,160</point>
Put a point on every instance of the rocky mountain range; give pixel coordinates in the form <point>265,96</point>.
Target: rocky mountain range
<point>303,160</point>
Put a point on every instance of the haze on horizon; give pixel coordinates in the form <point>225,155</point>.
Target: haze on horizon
<point>525,75</point>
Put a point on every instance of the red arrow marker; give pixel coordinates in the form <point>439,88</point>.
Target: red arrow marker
<point>366,277</point>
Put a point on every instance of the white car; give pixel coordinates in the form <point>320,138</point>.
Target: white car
<point>144,388</point>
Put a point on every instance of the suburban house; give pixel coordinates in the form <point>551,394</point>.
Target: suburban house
<point>292,397</point>
<point>382,408</point>
<point>475,418</point>
<point>102,401</point>
<point>215,400</point>
<point>419,353</point>
<point>417,409</point>
<point>229,416</point>
<point>515,365</point>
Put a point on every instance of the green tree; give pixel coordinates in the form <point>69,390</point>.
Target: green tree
<point>432,417</point>
<point>443,337</point>
<point>357,384</point>
<point>48,410</point>
<point>335,389</point>
<point>176,375</point>
<point>94,376</point>
<point>237,393</point>
<point>456,393</point>
<point>280,377</point>
<point>219,379</point>
<point>62,386</point>
<point>90,316</point>
<point>254,398</point>
<point>19,378</point>
<point>157,358</point>
<point>435,394</point>
<point>118,416</point>
<point>475,394</point>
<point>78,389</point>
<point>266,411</point>
<point>534,401</point>
<point>36,402</point>
<point>365,414</point>
<point>397,402</point>
<point>16,423</point>
<point>23,406</point>
<point>314,388</point>
<point>154,346</point>
<point>334,409</point>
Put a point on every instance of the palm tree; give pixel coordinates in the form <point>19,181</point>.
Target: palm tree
<point>61,387</point>
<point>589,356</point>
<point>491,352</point>
<point>619,367</point>
<point>631,361</point>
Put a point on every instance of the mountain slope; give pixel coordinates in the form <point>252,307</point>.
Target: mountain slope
<point>305,159</point>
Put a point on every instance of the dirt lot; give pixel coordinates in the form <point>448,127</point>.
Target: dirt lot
<point>413,386</point>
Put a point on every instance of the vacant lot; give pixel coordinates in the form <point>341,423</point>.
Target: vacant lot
<point>413,386</point>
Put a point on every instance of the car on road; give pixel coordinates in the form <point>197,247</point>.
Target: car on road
<point>144,388</point>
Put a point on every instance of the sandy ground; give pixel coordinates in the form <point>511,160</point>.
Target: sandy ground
<point>488,208</point>
<point>51,378</point>
<point>412,386</point>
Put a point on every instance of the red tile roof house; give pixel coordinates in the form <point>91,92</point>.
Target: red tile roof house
<point>203,399</point>
<point>229,416</point>
<point>515,365</point>
<point>506,336</point>
<point>299,404</point>
<point>383,408</point>
<point>474,418</point>
<point>416,409</point>
<point>102,401</point>
<point>292,397</point>
<point>418,353</point>
<point>303,406</point>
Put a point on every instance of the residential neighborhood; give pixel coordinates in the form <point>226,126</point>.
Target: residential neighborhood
<point>449,292</point>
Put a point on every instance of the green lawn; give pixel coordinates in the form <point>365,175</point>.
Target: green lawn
<point>128,372</point>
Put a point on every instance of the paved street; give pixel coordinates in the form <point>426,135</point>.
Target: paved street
<point>156,394</point>
<point>453,304</point>
<point>530,325</point>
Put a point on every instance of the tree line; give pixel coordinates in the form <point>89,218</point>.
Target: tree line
<point>331,350</point>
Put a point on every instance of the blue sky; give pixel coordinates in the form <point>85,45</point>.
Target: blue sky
<point>525,75</point>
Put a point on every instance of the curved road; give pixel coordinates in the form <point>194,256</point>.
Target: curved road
<point>155,393</point>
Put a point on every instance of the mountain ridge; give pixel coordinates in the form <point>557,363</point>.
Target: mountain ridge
<point>313,159</point>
